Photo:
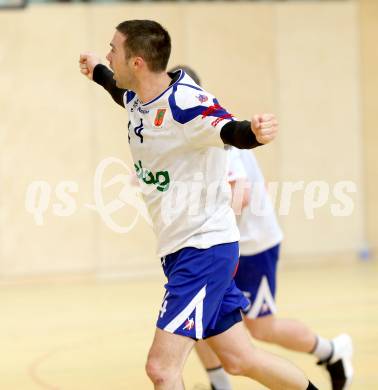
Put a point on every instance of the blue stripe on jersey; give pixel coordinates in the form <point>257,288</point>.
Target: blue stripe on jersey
<point>172,85</point>
<point>129,96</point>
<point>186,115</point>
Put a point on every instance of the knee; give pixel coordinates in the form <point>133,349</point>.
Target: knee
<point>261,330</point>
<point>155,371</point>
<point>233,365</point>
<point>158,373</point>
<point>260,334</point>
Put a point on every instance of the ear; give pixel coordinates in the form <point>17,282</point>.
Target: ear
<point>138,62</point>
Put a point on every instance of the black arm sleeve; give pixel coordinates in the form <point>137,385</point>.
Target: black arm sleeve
<point>239,134</point>
<point>103,76</point>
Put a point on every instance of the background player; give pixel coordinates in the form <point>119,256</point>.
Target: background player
<point>260,238</point>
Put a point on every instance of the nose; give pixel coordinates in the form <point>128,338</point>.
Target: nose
<point>108,57</point>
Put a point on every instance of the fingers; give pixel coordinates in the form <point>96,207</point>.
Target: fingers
<point>85,56</point>
<point>268,128</point>
<point>86,64</point>
<point>264,120</point>
<point>268,124</point>
<point>84,68</point>
<point>83,65</point>
<point>85,72</point>
<point>266,117</point>
<point>265,127</point>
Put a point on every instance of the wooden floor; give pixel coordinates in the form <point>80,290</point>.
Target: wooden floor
<point>91,335</point>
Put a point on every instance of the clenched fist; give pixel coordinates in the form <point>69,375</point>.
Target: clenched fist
<point>265,127</point>
<point>87,62</point>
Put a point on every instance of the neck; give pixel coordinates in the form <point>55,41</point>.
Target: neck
<point>152,85</point>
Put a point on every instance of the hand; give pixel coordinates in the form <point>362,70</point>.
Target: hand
<point>241,192</point>
<point>265,127</point>
<point>87,62</point>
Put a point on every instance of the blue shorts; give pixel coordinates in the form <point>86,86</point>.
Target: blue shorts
<point>201,299</point>
<point>256,277</point>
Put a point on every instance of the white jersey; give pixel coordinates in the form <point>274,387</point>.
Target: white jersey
<point>181,164</point>
<point>258,225</point>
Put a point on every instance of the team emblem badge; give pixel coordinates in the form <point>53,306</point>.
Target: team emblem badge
<point>202,98</point>
<point>159,118</point>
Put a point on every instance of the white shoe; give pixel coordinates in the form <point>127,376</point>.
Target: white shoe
<point>339,365</point>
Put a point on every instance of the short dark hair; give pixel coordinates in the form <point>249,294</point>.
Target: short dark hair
<point>188,70</point>
<point>149,40</point>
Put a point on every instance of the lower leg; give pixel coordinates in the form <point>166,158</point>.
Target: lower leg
<point>238,357</point>
<point>290,334</point>
<point>217,376</point>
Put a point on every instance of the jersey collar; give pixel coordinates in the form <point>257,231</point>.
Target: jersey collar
<point>177,77</point>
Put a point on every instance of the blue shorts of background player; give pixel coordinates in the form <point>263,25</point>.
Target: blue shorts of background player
<point>201,299</point>
<point>256,277</point>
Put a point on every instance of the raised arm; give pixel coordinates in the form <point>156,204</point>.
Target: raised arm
<point>91,67</point>
<point>248,135</point>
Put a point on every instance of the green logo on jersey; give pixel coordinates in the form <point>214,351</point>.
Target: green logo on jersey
<point>160,179</point>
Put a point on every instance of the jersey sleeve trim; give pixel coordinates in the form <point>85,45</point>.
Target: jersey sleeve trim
<point>184,116</point>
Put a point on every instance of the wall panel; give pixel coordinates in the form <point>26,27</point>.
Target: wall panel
<point>298,60</point>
